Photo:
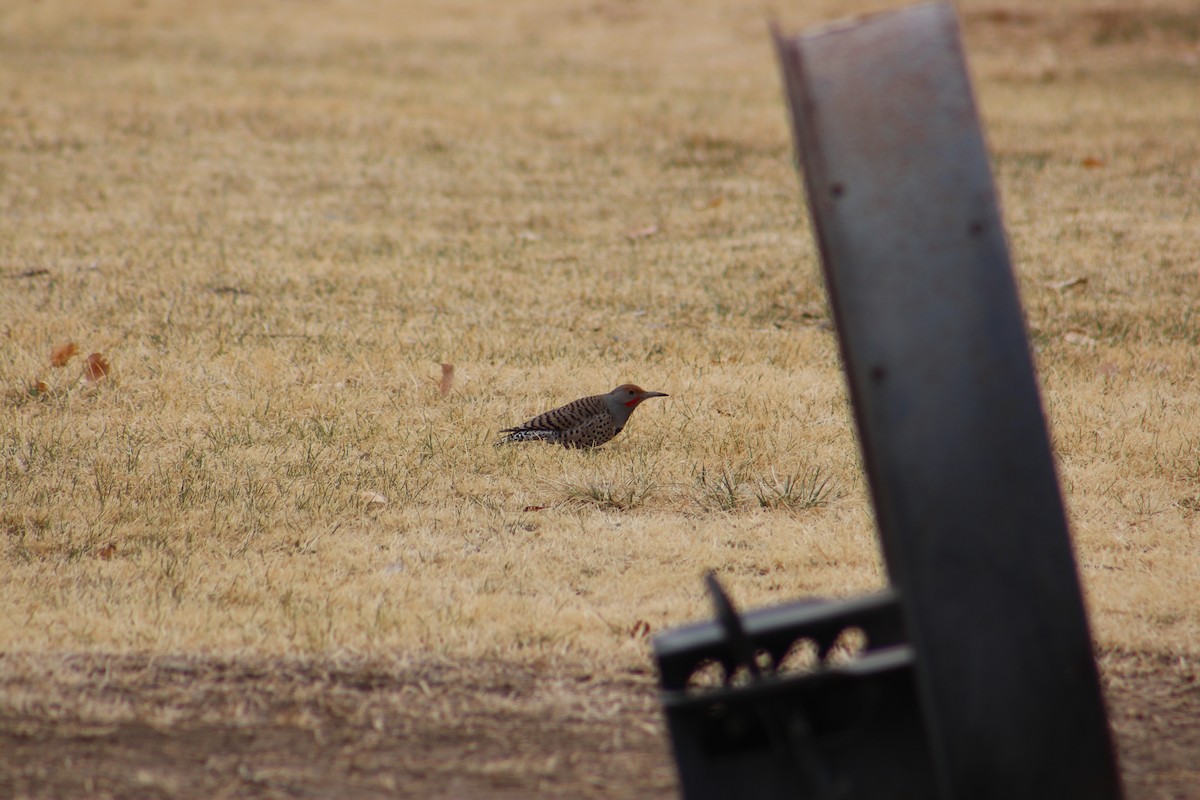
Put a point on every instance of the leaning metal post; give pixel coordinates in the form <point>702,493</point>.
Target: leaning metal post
<point>989,654</point>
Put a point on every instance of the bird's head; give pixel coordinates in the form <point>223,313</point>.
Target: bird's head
<point>629,395</point>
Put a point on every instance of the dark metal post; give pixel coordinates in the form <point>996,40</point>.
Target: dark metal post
<point>955,444</point>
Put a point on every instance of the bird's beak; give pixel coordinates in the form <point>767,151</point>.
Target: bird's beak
<point>655,394</point>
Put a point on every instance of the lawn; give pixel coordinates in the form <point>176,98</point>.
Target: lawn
<point>269,511</point>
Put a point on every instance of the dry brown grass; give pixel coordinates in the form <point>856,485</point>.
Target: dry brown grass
<point>278,220</point>
<point>271,549</point>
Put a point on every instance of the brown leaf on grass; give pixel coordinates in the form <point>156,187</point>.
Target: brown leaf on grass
<point>447,379</point>
<point>36,272</point>
<point>62,354</point>
<point>1091,162</point>
<point>1005,16</point>
<point>1079,339</point>
<point>535,508</point>
<point>1063,285</point>
<point>640,630</point>
<point>107,552</point>
<point>96,368</point>
<point>372,500</point>
<point>39,388</point>
<point>641,233</point>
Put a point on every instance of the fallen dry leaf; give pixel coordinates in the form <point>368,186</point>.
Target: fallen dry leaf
<point>1059,286</point>
<point>62,354</point>
<point>107,552</point>
<point>447,379</point>
<point>640,630</point>
<point>372,500</point>
<point>231,290</point>
<point>95,369</point>
<point>39,388</point>
<point>535,508</point>
<point>37,272</point>
<point>1079,339</point>
<point>1092,162</point>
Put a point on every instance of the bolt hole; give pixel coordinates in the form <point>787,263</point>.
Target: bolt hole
<point>837,189</point>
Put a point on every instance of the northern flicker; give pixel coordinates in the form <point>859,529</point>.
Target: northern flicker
<point>586,422</point>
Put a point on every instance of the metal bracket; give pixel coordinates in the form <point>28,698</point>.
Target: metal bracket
<point>770,732</point>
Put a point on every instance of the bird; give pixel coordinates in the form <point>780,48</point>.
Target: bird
<point>586,422</point>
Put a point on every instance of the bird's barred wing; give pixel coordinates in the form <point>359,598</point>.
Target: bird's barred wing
<point>563,417</point>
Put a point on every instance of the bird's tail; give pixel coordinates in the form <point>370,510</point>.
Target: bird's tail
<point>529,435</point>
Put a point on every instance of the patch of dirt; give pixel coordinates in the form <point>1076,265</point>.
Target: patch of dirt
<point>192,727</point>
<point>197,727</point>
<point>1104,27</point>
<point>1154,710</point>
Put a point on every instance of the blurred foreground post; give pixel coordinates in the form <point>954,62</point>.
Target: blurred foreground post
<point>983,681</point>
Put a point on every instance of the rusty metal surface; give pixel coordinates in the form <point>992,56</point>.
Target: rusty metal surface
<point>949,415</point>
